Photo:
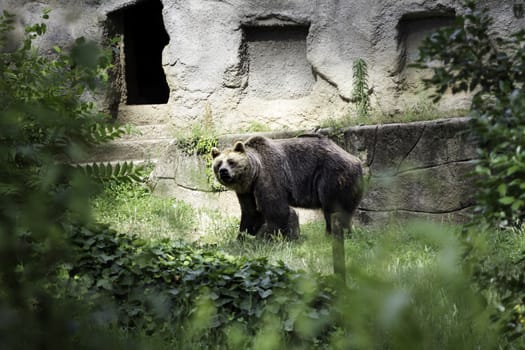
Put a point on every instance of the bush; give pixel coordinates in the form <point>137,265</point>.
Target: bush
<point>186,294</point>
<point>476,60</point>
<point>500,274</point>
<point>470,57</point>
<point>45,127</point>
<point>192,297</point>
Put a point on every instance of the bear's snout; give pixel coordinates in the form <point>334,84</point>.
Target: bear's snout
<point>224,175</point>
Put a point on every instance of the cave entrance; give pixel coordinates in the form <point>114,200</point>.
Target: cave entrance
<point>144,39</point>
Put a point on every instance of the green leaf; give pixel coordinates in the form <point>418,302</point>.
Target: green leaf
<point>507,200</point>
<point>517,205</point>
<point>265,293</point>
<point>105,284</point>
<point>116,170</point>
<point>502,189</point>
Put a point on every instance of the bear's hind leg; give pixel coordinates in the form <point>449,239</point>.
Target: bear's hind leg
<point>343,220</point>
<point>328,222</point>
<point>293,225</point>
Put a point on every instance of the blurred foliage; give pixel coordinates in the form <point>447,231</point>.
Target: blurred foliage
<point>46,126</point>
<point>200,298</point>
<point>162,287</point>
<point>66,283</point>
<point>501,277</point>
<point>471,57</point>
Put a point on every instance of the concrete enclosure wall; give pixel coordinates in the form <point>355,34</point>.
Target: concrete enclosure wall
<point>278,67</point>
<point>279,63</point>
<point>283,64</point>
<point>414,170</point>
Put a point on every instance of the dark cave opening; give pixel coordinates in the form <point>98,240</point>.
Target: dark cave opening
<point>144,39</point>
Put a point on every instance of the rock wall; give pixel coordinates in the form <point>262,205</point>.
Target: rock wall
<point>283,64</point>
<point>414,170</point>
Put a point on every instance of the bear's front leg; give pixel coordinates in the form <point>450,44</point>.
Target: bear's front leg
<point>272,202</point>
<point>293,225</point>
<point>251,218</point>
<point>287,225</point>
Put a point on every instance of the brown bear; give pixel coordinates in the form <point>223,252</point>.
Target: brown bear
<point>271,176</point>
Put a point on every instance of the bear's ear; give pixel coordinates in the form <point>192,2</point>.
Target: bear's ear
<point>239,147</point>
<point>215,152</point>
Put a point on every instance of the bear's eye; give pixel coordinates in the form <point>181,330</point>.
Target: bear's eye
<point>232,163</point>
<point>218,164</point>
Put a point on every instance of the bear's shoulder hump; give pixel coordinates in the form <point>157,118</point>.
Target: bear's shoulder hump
<point>257,142</point>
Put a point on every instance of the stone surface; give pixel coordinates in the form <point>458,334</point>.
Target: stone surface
<point>413,170</point>
<point>277,64</point>
<point>417,169</point>
<point>242,58</point>
<point>139,150</point>
<point>404,146</point>
<point>187,171</point>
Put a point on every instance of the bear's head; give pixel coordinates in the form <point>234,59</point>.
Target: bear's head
<point>232,167</point>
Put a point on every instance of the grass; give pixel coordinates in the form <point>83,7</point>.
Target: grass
<point>405,277</point>
<point>401,248</point>
<point>418,110</point>
<point>313,251</point>
<point>132,208</point>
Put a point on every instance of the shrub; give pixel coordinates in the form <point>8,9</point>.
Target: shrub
<point>470,57</point>
<point>191,297</point>
<point>475,59</point>
<point>45,127</point>
<point>175,290</point>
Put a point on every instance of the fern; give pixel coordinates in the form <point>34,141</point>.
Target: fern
<point>119,172</point>
<point>102,133</point>
<point>361,91</point>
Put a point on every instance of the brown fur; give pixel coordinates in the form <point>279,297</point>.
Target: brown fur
<point>271,176</point>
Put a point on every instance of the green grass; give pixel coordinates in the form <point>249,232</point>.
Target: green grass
<point>403,276</point>
<point>420,109</point>
<point>313,251</point>
<point>402,249</point>
<point>130,208</point>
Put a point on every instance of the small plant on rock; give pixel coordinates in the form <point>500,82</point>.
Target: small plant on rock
<point>199,142</point>
<point>361,91</point>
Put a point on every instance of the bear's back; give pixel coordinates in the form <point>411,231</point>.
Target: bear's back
<point>301,165</point>
<point>300,151</point>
